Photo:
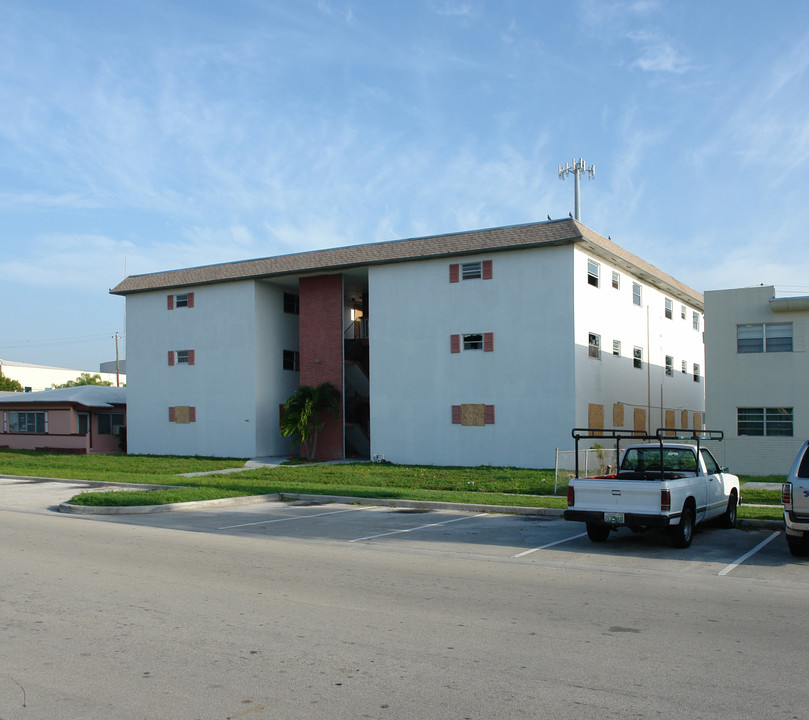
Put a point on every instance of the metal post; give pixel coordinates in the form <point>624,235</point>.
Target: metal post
<point>576,168</point>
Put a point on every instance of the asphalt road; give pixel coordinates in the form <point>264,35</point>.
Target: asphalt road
<point>338,612</point>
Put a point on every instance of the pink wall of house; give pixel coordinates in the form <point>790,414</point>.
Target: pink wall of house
<point>62,434</point>
<point>321,348</point>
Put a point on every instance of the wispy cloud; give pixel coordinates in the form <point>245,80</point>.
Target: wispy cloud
<point>650,49</point>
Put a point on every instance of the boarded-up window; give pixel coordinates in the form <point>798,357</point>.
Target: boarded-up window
<point>595,416</point>
<point>618,415</point>
<point>182,414</point>
<point>640,419</point>
<point>697,421</point>
<point>670,419</point>
<point>472,414</point>
<point>684,419</point>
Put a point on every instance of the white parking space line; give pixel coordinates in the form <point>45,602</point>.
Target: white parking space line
<point>420,527</point>
<point>297,517</point>
<point>730,568</point>
<point>543,547</point>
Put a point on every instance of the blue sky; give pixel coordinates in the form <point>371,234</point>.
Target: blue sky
<point>145,136</point>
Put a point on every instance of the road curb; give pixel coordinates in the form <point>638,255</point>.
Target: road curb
<point>742,523</point>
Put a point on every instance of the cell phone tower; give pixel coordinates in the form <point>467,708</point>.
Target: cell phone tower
<point>576,168</point>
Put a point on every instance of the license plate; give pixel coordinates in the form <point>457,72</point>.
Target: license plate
<point>613,517</point>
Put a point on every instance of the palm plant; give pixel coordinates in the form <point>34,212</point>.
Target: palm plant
<point>302,412</point>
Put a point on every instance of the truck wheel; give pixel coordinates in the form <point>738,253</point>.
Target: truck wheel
<point>598,532</point>
<point>682,534</point>
<point>798,545</point>
<point>728,520</point>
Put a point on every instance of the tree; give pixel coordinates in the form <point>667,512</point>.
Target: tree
<point>8,384</point>
<point>84,379</point>
<point>302,411</point>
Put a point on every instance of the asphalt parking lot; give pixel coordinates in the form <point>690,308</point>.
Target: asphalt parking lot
<point>753,553</point>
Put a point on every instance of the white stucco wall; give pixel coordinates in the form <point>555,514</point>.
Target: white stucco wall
<point>221,328</point>
<point>415,379</point>
<point>755,379</point>
<point>275,331</point>
<point>611,379</point>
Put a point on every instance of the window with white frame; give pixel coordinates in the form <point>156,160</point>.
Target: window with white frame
<point>594,344</point>
<point>593,273</point>
<point>616,348</point>
<point>696,372</point>
<point>471,271</point>
<point>292,360</point>
<point>292,304</point>
<point>763,337</point>
<point>669,309</point>
<point>473,341</point>
<point>110,423</point>
<point>616,280</point>
<point>28,422</point>
<point>636,296</point>
<point>637,357</point>
<point>682,312</point>
<point>669,365</point>
<point>685,367</point>
<point>695,320</point>
<point>777,421</point>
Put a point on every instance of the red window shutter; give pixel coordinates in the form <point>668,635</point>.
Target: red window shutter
<point>170,301</point>
<point>486,266</point>
<point>488,414</point>
<point>191,357</point>
<point>192,414</point>
<point>191,295</point>
<point>171,414</point>
<point>488,342</point>
<point>455,343</point>
<point>454,272</point>
<point>456,414</point>
<point>171,357</point>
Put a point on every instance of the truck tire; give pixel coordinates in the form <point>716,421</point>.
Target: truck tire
<point>598,532</point>
<point>798,545</point>
<point>728,520</point>
<point>682,534</point>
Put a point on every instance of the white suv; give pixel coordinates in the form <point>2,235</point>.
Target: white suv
<point>795,496</point>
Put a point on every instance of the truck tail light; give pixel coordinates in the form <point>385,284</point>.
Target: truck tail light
<point>786,493</point>
<point>665,500</point>
<point>571,496</point>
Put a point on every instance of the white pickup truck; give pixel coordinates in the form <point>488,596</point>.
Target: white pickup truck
<point>662,483</point>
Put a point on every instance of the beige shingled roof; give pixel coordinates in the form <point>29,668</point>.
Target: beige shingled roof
<point>553,232</point>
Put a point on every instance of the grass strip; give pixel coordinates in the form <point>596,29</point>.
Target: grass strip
<point>475,485</point>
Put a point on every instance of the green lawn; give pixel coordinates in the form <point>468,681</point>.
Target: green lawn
<point>480,485</point>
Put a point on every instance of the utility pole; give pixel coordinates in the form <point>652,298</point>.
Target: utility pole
<point>117,374</point>
<point>576,168</point>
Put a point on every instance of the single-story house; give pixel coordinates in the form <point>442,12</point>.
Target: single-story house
<point>83,419</point>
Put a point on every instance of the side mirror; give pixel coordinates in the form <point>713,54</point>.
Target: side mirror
<point>724,469</point>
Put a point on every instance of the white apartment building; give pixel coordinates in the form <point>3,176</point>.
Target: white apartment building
<point>35,378</point>
<point>760,396</point>
<point>483,347</point>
